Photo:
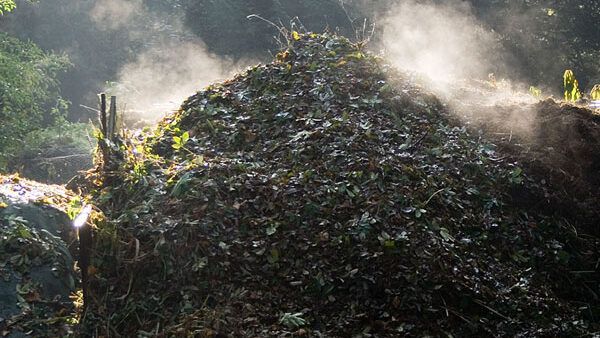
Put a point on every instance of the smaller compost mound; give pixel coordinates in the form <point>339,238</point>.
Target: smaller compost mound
<point>557,141</point>
<point>37,273</point>
<point>326,194</point>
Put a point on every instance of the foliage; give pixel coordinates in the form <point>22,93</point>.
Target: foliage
<point>568,38</point>
<point>595,93</point>
<point>7,6</point>
<point>560,34</point>
<point>180,141</point>
<point>292,320</point>
<point>571,85</point>
<point>535,92</point>
<point>99,48</point>
<point>35,262</point>
<point>29,92</point>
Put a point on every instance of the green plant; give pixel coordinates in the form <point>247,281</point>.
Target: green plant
<point>571,85</point>
<point>7,6</point>
<point>292,320</point>
<point>180,141</point>
<point>535,92</point>
<point>29,93</point>
<point>595,93</point>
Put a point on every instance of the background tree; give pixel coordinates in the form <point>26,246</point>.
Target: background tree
<point>547,36</point>
<point>29,92</point>
<point>7,6</point>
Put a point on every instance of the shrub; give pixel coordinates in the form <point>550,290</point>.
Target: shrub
<point>29,92</point>
<point>595,93</point>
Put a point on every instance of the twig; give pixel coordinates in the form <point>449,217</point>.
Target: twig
<point>281,30</point>
<point>123,297</point>
<point>89,108</point>
<point>494,311</point>
<point>418,142</point>
<point>350,20</point>
<point>445,307</point>
<point>62,157</point>
<point>433,195</point>
<point>461,317</point>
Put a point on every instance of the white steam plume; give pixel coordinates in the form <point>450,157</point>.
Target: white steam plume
<point>172,64</point>
<point>445,42</point>
<point>160,78</point>
<point>458,56</point>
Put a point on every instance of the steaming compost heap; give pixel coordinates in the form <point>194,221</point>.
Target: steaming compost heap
<point>325,194</point>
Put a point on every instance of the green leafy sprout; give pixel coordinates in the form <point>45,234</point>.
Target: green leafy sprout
<point>7,6</point>
<point>179,142</point>
<point>595,93</point>
<point>535,92</point>
<point>572,92</point>
<point>292,320</point>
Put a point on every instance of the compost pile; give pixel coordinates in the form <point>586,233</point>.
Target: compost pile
<point>37,276</point>
<point>325,194</point>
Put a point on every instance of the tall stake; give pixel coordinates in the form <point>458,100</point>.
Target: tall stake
<point>103,120</point>
<point>113,117</point>
<point>104,126</point>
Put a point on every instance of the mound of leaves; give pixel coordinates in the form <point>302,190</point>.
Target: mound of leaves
<point>37,273</point>
<point>325,194</point>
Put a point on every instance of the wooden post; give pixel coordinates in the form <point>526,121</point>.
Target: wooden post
<point>85,246</point>
<point>113,118</point>
<point>105,128</point>
<point>103,120</point>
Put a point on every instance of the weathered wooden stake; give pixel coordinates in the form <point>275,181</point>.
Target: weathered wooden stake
<point>104,129</point>
<point>113,118</point>
<point>103,120</point>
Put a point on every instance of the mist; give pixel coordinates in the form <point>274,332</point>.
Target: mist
<point>444,42</point>
<point>460,59</point>
<point>171,64</point>
<point>160,78</point>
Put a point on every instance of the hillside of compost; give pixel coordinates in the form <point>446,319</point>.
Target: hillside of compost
<point>325,194</point>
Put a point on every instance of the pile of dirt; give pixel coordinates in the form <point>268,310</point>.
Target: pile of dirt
<point>325,194</point>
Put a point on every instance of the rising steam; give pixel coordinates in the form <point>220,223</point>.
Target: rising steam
<point>460,59</point>
<point>444,42</point>
<point>163,76</point>
<point>173,65</point>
